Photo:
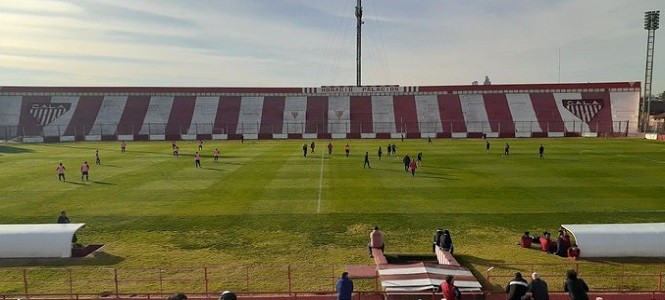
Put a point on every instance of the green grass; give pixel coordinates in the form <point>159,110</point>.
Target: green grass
<point>264,207</point>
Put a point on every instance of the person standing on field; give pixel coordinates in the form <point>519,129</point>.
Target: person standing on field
<point>412,167</point>
<point>541,151</point>
<point>85,167</point>
<point>330,148</point>
<point>197,160</point>
<point>304,150</point>
<point>215,154</point>
<point>366,164</point>
<point>407,161</point>
<point>61,172</point>
<point>380,152</point>
<point>312,145</point>
<point>97,160</point>
<point>347,149</point>
<point>123,146</point>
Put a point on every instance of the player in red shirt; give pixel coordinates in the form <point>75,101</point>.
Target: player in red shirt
<point>197,159</point>
<point>413,165</point>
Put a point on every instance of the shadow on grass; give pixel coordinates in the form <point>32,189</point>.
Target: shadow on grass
<point>102,183</point>
<point>75,183</point>
<point>480,267</point>
<point>14,150</point>
<point>95,259</point>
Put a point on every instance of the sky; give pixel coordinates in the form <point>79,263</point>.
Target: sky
<point>312,43</point>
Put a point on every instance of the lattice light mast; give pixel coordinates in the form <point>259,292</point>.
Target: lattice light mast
<point>359,17</point>
<point>651,21</point>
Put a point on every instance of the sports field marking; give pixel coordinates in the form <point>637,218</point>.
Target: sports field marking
<point>318,202</point>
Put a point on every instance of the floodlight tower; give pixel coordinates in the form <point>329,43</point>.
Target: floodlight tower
<point>359,17</point>
<point>651,20</point>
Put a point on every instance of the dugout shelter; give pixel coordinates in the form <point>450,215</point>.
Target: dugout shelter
<point>37,240</point>
<point>619,240</point>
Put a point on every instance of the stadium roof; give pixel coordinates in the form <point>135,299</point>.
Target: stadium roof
<point>37,240</point>
<point>619,240</point>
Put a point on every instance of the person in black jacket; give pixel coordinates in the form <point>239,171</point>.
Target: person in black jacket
<point>576,288</point>
<point>538,288</point>
<point>516,288</point>
<point>437,239</point>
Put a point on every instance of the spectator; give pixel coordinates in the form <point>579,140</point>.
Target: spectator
<point>538,288</point>
<point>516,288</point>
<point>525,240</point>
<point>63,219</point>
<point>437,239</point>
<point>545,242</point>
<point>178,296</point>
<point>449,290</point>
<point>561,247</point>
<point>577,289</point>
<point>228,295</point>
<point>573,252</point>
<point>376,241</point>
<point>344,287</point>
<point>447,242</point>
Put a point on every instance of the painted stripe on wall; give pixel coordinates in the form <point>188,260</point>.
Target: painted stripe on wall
<point>498,113</point>
<point>272,120</point>
<point>339,114</point>
<point>602,121</point>
<point>251,109</point>
<point>132,118</point>
<point>361,114</point>
<point>108,118</point>
<point>181,115</point>
<point>157,116</point>
<point>383,114</point>
<point>427,108</point>
<point>228,113</point>
<point>452,116</point>
<point>11,110</point>
<point>317,115</point>
<point>547,112</point>
<point>405,113</point>
<point>85,115</point>
<point>624,108</point>
<point>203,119</point>
<point>294,114</point>
<point>473,107</point>
<point>523,113</point>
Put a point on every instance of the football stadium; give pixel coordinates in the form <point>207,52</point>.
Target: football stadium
<point>272,193</point>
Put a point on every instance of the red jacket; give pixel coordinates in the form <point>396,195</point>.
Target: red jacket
<point>525,241</point>
<point>544,244</point>
<point>448,291</point>
<point>573,254</point>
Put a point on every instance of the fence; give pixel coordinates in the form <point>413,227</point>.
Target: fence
<point>518,128</point>
<point>604,276</point>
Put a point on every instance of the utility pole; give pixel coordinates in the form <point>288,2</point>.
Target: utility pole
<point>651,21</point>
<point>359,17</point>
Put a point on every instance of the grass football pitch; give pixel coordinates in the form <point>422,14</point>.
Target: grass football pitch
<point>264,206</point>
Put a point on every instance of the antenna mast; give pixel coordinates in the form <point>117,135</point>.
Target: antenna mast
<point>359,17</point>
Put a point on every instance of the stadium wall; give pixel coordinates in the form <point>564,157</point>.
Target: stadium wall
<point>52,114</point>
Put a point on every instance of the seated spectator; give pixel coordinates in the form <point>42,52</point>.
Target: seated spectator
<point>561,245</point>
<point>545,242</point>
<point>566,238</point>
<point>447,242</point>
<point>516,288</point>
<point>437,239</point>
<point>375,241</point>
<point>573,252</point>
<point>525,240</point>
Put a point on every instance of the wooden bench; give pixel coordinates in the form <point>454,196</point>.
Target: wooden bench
<point>379,258</point>
<point>445,258</point>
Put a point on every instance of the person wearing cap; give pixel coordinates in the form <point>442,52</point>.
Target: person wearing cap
<point>538,288</point>
<point>228,295</point>
<point>516,288</point>
<point>344,287</point>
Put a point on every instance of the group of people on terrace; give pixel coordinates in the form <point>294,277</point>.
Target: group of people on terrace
<point>562,246</point>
